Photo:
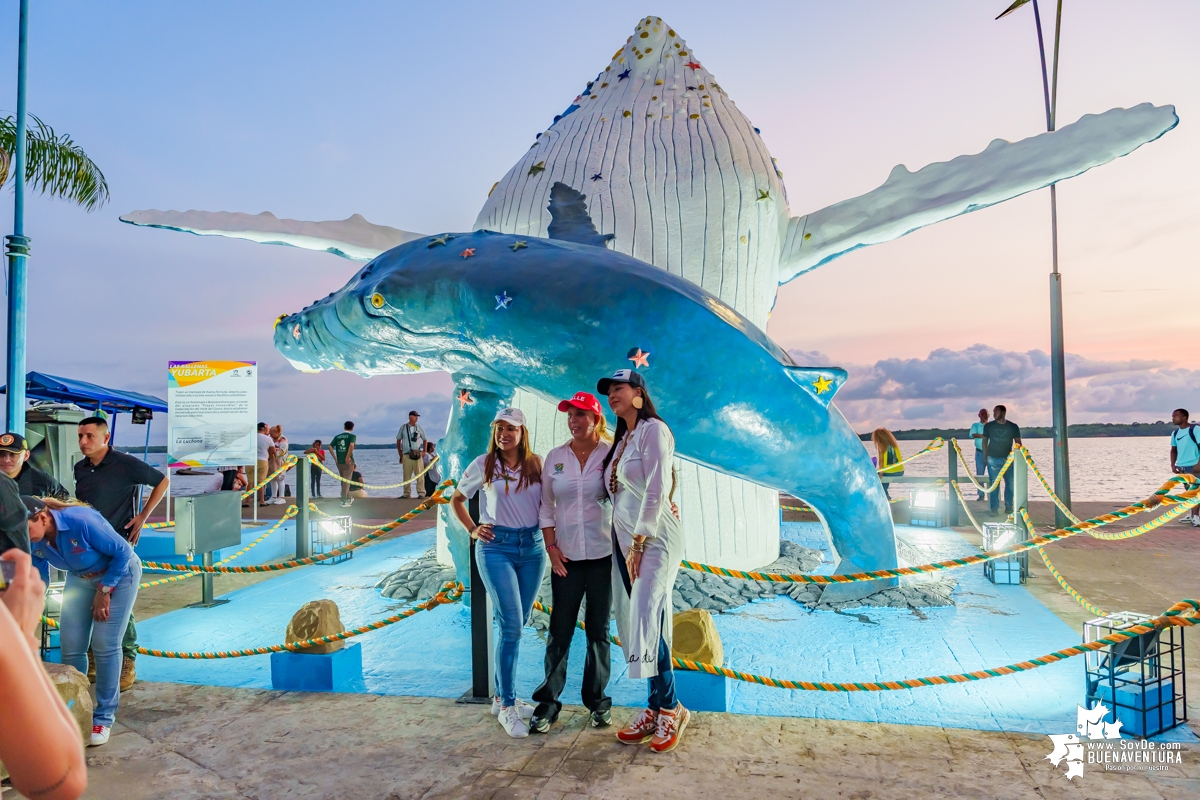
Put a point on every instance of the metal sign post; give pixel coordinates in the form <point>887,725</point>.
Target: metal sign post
<point>18,249</point>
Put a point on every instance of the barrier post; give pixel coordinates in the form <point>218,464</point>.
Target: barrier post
<point>952,500</point>
<point>303,540</point>
<point>1020,487</point>
<point>483,655</point>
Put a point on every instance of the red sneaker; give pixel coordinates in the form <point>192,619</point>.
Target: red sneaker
<point>641,729</point>
<point>670,728</point>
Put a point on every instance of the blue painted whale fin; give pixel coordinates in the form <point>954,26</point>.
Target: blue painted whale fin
<point>820,382</point>
<point>569,219</point>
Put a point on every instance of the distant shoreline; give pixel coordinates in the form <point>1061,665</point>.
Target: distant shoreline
<point>1087,430</point>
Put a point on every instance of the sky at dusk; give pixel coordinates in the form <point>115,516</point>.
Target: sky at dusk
<point>407,113</point>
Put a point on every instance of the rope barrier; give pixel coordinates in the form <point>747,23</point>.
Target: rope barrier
<point>288,514</point>
<point>985,489</point>
<point>436,499</point>
<point>1184,501</point>
<point>1181,614</point>
<point>312,460</point>
<point>1061,580</point>
<point>288,463</point>
<point>966,508</point>
<point>1020,448</point>
<point>450,593</point>
<point>937,444</point>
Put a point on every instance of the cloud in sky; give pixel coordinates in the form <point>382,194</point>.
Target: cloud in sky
<point>948,386</point>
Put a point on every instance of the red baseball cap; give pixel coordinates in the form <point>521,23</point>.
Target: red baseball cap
<point>584,400</point>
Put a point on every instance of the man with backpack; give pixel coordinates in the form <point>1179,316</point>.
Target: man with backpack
<point>410,445</point>
<point>1185,454</point>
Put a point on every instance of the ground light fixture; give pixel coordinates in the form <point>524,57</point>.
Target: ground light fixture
<point>927,507</point>
<point>1140,680</point>
<point>1009,569</point>
<point>328,534</point>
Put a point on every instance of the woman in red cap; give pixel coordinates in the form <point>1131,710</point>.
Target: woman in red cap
<point>640,478</point>
<point>576,522</point>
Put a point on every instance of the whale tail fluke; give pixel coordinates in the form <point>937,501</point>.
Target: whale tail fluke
<point>569,218</point>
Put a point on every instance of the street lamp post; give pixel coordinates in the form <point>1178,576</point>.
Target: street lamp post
<point>17,248</point>
<point>1058,369</point>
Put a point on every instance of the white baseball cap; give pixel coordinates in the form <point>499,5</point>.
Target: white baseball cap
<point>514,416</point>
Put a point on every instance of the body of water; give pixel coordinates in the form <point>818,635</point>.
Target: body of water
<point>1102,469</point>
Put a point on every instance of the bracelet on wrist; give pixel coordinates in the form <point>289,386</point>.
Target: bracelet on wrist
<point>552,546</point>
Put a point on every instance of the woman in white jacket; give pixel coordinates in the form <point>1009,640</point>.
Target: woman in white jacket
<point>640,478</point>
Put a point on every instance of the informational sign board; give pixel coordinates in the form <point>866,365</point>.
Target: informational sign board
<point>213,406</point>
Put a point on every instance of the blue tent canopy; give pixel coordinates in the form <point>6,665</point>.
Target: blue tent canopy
<point>40,386</point>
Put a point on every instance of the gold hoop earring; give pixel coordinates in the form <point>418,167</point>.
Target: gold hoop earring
<point>637,402</point>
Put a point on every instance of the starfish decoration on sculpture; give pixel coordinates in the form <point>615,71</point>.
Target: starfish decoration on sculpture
<point>435,241</point>
<point>538,167</point>
<point>502,300</point>
<point>470,251</point>
<point>517,245</point>
<point>464,398</point>
<point>822,384</point>
<point>639,357</point>
<point>598,177</point>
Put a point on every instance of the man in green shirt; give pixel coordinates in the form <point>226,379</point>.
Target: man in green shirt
<point>343,455</point>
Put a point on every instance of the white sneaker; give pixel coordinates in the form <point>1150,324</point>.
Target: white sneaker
<point>510,720</point>
<point>525,708</point>
<point>100,735</point>
<point>1196,522</point>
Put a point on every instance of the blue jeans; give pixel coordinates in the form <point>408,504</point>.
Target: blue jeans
<point>662,685</point>
<point>993,467</point>
<point>511,566</point>
<point>78,630</point>
<point>980,470</point>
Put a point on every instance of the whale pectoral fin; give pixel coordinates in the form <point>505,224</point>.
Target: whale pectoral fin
<point>353,238</point>
<point>569,218</point>
<point>468,435</point>
<point>820,382</point>
<point>911,200</point>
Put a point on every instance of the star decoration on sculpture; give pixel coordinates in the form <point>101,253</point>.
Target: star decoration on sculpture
<point>538,167</point>
<point>296,331</point>
<point>689,88</point>
<point>622,76</point>
<point>692,65</point>
<point>518,245</point>
<point>464,398</point>
<point>470,251</point>
<point>445,237</point>
<point>502,300</point>
<point>822,384</point>
<point>764,194</point>
<point>639,357</point>
<point>597,177</point>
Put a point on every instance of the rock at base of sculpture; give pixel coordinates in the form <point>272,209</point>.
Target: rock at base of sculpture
<point>695,638</point>
<point>315,619</point>
<point>72,686</point>
<point>422,578</point>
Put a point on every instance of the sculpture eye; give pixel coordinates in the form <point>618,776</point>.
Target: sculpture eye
<point>377,300</point>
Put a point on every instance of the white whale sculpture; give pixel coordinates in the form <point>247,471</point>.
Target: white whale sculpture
<point>683,180</point>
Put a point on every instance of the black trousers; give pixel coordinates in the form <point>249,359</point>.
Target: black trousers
<point>593,579</point>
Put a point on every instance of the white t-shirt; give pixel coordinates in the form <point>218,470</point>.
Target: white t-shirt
<point>575,503</point>
<point>977,427</point>
<point>1186,451</point>
<point>264,446</point>
<point>502,503</point>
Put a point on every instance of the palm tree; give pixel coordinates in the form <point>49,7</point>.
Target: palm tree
<point>54,164</point>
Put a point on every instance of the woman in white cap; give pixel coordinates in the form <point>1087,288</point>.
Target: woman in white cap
<point>640,478</point>
<point>509,547</point>
<point>576,521</point>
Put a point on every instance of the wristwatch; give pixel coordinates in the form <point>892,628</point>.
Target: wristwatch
<point>106,589</point>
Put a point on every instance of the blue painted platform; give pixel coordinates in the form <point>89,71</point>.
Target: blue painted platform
<point>429,654</point>
<point>159,544</point>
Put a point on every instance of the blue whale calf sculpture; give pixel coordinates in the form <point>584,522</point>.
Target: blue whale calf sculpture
<point>501,312</point>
